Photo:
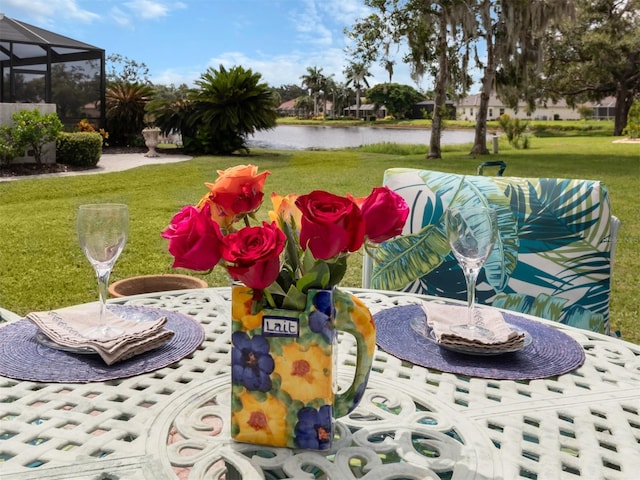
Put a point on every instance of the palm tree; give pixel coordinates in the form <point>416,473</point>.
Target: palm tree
<point>125,111</point>
<point>340,95</point>
<point>356,73</point>
<point>229,105</point>
<point>388,66</point>
<point>313,80</point>
<point>326,86</point>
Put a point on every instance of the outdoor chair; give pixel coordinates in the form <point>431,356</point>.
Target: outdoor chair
<point>8,316</point>
<point>553,259</point>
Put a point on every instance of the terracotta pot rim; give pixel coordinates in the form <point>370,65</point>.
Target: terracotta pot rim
<point>154,283</point>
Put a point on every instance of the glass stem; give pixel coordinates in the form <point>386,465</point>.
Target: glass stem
<point>471,277</point>
<point>103,282</point>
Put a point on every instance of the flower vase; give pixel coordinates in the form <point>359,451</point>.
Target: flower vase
<point>283,368</point>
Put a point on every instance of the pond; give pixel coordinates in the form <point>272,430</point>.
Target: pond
<point>303,137</point>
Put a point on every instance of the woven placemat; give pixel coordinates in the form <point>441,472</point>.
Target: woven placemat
<point>551,352</point>
<point>24,358</point>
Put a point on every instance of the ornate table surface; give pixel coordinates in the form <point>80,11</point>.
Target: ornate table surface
<point>412,423</point>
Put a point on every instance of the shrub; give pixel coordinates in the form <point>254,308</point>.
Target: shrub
<point>514,130</point>
<point>81,149</point>
<point>33,129</point>
<point>85,126</point>
<point>8,147</point>
<point>633,121</point>
<point>229,105</point>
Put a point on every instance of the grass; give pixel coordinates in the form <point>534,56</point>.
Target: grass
<point>42,267</point>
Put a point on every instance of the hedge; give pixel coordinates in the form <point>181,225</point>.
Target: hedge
<point>81,149</point>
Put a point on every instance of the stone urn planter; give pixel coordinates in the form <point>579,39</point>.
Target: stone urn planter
<point>154,283</point>
<point>151,139</point>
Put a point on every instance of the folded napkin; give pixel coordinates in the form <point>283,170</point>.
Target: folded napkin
<point>65,327</point>
<point>441,317</point>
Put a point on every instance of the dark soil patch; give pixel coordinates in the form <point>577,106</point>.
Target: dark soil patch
<point>26,169</point>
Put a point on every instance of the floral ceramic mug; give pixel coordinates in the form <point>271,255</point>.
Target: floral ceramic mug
<point>283,368</point>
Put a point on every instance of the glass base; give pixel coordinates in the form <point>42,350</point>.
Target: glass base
<point>474,332</point>
<point>102,333</point>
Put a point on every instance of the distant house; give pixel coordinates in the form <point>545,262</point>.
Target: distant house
<point>605,109</point>
<point>420,110</point>
<point>288,109</point>
<point>366,110</point>
<point>425,109</point>
<point>467,109</point>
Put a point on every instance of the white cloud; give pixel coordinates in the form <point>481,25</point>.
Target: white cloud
<point>177,77</point>
<point>345,11</point>
<point>148,9</point>
<point>46,11</point>
<point>286,68</point>
<point>309,24</point>
<point>121,18</point>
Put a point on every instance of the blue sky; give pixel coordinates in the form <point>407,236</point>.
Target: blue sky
<point>179,40</point>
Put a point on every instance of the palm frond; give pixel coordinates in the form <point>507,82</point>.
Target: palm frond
<point>403,259</point>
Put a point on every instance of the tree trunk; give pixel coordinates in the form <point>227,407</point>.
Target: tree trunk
<point>357,103</point>
<point>440,96</point>
<point>480,139</point>
<point>624,100</point>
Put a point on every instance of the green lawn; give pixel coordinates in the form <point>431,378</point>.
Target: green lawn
<point>42,267</point>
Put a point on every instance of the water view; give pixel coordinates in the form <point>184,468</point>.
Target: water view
<point>299,137</point>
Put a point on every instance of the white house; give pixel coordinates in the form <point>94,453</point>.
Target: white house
<point>467,109</point>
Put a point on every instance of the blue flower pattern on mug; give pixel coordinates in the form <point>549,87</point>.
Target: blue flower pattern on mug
<point>251,362</point>
<point>320,320</point>
<point>314,429</point>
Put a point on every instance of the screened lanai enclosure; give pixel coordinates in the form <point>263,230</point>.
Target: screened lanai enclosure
<point>39,66</point>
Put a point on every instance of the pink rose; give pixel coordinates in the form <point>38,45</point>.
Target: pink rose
<point>254,254</point>
<point>330,224</point>
<point>385,213</point>
<point>195,240</point>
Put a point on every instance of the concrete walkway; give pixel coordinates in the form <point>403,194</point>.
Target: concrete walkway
<point>112,162</point>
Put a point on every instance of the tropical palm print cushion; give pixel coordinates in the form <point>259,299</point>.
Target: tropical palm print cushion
<point>552,259</point>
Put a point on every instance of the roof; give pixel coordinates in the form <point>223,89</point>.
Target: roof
<point>288,105</point>
<point>26,42</point>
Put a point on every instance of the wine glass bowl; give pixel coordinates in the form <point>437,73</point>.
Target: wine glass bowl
<point>472,232</point>
<point>103,229</point>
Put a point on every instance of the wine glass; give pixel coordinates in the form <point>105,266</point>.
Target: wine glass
<point>472,232</point>
<point>102,233</point>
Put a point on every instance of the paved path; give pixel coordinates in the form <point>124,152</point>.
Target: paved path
<point>112,162</point>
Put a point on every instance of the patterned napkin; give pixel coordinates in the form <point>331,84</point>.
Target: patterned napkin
<point>65,327</point>
<point>441,317</point>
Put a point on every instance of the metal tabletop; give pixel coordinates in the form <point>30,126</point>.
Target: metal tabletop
<point>412,423</point>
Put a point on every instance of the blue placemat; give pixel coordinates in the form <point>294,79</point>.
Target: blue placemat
<point>23,358</point>
<point>550,353</point>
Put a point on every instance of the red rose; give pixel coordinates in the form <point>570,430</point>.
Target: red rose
<point>194,239</point>
<point>254,254</point>
<point>238,190</point>
<point>330,224</point>
<point>385,213</point>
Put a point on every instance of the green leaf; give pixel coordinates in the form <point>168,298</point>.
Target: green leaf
<point>403,259</point>
<point>294,300</point>
<point>337,271</point>
<point>316,277</point>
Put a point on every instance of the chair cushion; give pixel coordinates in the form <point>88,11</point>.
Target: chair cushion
<point>552,260</point>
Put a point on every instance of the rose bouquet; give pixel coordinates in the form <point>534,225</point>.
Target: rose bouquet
<point>304,246</point>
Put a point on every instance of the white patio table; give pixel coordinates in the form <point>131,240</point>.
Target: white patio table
<point>412,423</point>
